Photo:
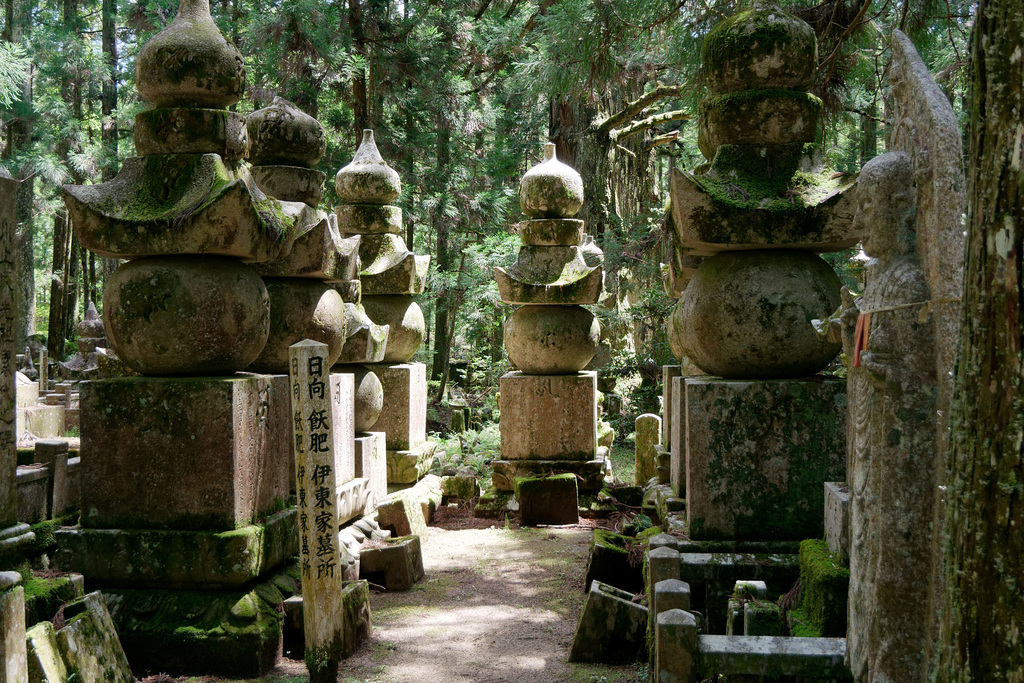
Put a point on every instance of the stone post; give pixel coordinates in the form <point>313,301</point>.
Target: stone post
<point>648,435</point>
<point>44,375</point>
<point>323,614</point>
<point>54,454</point>
<point>12,629</point>
<point>662,564</point>
<point>676,647</point>
<point>671,594</point>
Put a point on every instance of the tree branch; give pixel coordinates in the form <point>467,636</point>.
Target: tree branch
<point>633,108</point>
<point>643,124</point>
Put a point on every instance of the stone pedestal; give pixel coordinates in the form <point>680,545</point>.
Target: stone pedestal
<point>549,417</point>
<point>184,453</point>
<point>758,454</point>
<point>372,464</point>
<point>404,415</point>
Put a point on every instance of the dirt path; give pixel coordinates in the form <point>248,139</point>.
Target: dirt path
<point>497,604</point>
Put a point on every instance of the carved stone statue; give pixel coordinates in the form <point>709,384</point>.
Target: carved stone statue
<point>893,401</point>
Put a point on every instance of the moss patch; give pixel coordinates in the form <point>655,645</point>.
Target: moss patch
<point>824,584</point>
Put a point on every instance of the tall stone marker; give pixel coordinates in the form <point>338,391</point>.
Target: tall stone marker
<point>313,447</point>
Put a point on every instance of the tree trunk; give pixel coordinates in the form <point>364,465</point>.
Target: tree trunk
<point>442,233</point>
<point>108,94</point>
<point>360,97</point>
<point>59,286</point>
<point>983,615</point>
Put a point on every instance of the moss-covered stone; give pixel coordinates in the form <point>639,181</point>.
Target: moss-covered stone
<point>615,559</point>
<point>757,117</point>
<point>284,134</point>
<point>824,584</point>
<point>551,189</point>
<point>550,232</point>
<point>44,596</point>
<point>493,503</point>
<point>368,179</point>
<point>551,340</point>
<point>547,500</point>
<point>300,308</point>
<point>190,130</point>
<point>366,219</point>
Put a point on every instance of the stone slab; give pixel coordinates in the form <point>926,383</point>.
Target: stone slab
<point>407,512</point>
<point>343,426</point>
<point>772,656</point>
<point>590,473</point>
<point>837,519</point>
<point>758,454</point>
<point>371,464</point>
<point>353,499</point>
<point>404,415</point>
<point>89,644</point>
<point>548,500</point>
<point>45,664</point>
<point>677,444</point>
<point>178,559</point>
<point>41,421</point>
<point>12,637</point>
<point>648,436</point>
<point>548,417</point>
<point>215,452</point>
<point>612,628</point>
<point>396,563</point>
<point>320,253</point>
<point>409,466</point>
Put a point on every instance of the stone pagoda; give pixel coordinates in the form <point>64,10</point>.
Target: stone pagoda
<point>185,469</point>
<point>757,437</point>
<point>548,406</point>
<point>390,274</point>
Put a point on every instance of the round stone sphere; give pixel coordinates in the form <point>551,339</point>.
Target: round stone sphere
<point>747,315</point>
<point>405,318</point>
<point>551,340</point>
<point>282,134</point>
<point>368,179</point>
<point>551,189</point>
<point>186,315</point>
<point>369,397</point>
<point>301,309</point>
<point>190,63</point>
<point>760,48</point>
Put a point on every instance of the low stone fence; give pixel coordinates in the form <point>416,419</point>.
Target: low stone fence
<point>50,486</point>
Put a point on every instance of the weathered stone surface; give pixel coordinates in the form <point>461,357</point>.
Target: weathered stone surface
<point>837,519</point>
<point>12,637</point>
<point>404,415</point>
<point>368,179</point>
<point>547,499</point>
<point>283,134</point>
<point>893,391</point>
<point>190,63</point>
<point>372,464</point>
<point>671,594</point>
<point>677,445</point>
<point>404,319</point>
<point>351,291</point>
<point>396,564</point>
<point>234,633</point>
<point>756,117</point>
<point>365,340</point>
<point>388,267</point>
<point>757,454</point>
<point>353,499</point>
<point>369,219</point>
<point>168,204</point>
<point>667,412</point>
<point>215,453</point>
<point>178,559</point>
<point>355,598</point>
<point>407,512</point>
<point>45,664</point>
<point>343,425</point>
<point>811,658</point>
<point>551,189</point>
<point>675,646</point>
<point>770,297</point>
<point>763,47</point>
<point>612,628</point>
<point>551,340</point>
<point>550,232</point>
<point>550,275</point>
<point>648,435</point>
<point>548,417</point>
<point>369,396</point>
<point>319,253</point>
<point>460,487</point>
<point>409,465</point>
<point>290,183</point>
<point>785,198</point>
<point>590,474</point>
<point>186,315</point>
<point>609,562</point>
<point>190,130</point>
<point>301,309</point>
<point>89,644</point>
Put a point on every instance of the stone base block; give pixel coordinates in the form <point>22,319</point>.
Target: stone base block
<point>590,474</point>
<point>404,415</point>
<point>548,500</point>
<point>460,487</point>
<point>355,601</point>
<point>234,633</point>
<point>89,644</point>
<point>612,628</point>
<point>372,464</point>
<point>837,520</point>
<point>396,565</point>
<point>758,454</point>
<point>409,466</point>
<point>178,559</point>
<point>407,512</point>
<point>548,417</point>
<point>209,453</point>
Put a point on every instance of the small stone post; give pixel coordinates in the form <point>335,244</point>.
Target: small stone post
<point>676,647</point>
<point>44,375</point>
<point>323,613</point>
<point>648,435</point>
<point>54,454</point>
<point>12,629</point>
